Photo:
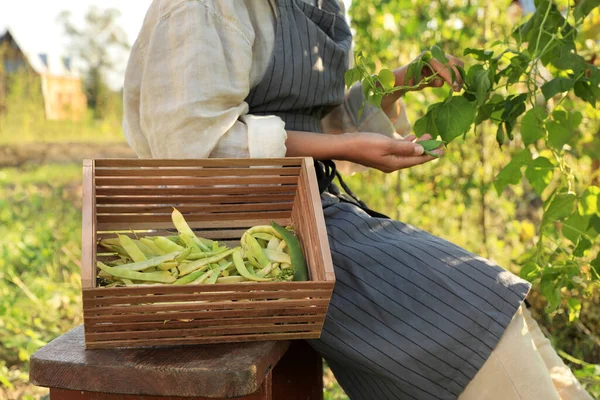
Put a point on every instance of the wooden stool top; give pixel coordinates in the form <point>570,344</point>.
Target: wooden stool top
<point>218,370</point>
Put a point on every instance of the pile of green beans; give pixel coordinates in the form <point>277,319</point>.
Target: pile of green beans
<point>267,253</point>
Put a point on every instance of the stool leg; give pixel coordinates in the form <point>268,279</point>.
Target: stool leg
<point>299,374</point>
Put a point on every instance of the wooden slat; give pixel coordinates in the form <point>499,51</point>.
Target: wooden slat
<point>137,208</point>
<point>249,198</point>
<point>204,340</point>
<point>171,289</point>
<point>90,320</point>
<point>226,305</point>
<point>322,241</point>
<point>199,332</point>
<point>88,227</point>
<point>208,234</point>
<point>205,162</point>
<point>132,326</point>
<point>275,171</point>
<point>201,181</point>
<point>208,224</point>
<point>271,189</point>
<point>195,297</point>
<point>129,218</point>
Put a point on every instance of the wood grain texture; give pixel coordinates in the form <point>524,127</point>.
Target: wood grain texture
<point>221,198</point>
<point>276,171</point>
<point>204,162</point>
<point>220,371</point>
<point>61,394</point>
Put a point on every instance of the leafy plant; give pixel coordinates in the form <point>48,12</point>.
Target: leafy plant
<point>526,79</point>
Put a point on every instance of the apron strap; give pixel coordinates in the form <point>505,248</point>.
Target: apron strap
<point>326,173</point>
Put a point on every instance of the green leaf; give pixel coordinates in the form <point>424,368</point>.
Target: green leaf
<point>387,79</point>
<point>453,118</point>
<point>586,91</point>
<point>539,173</point>
<point>556,86</point>
<point>574,309</point>
<point>550,291</point>
<point>561,206</point>
<point>584,7</point>
<point>532,125</point>
<point>479,54</point>
<point>583,245</point>
<point>596,267</point>
<point>500,135</point>
<point>558,134</point>
<point>439,55</point>
<point>529,271</point>
<point>511,173</point>
<point>352,76</point>
<point>589,204</point>
<point>575,226</point>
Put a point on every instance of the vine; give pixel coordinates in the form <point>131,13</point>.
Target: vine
<point>524,80</point>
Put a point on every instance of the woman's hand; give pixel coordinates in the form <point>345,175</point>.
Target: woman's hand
<point>384,153</point>
<point>444,75</point>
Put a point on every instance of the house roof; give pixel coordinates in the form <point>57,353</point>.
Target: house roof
<point>51,63</point>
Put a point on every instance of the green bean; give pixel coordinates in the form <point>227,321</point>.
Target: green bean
<point>231,279</point>
<point>182,227</point>
<point>191,277</point>
<point>149,243</point>
<point>186,269</point>
<point>166,266</point>
<point>253,247</point>
<point>277,256</point>
<point>145,249</point>
<point>134,252</point>
<point>202,278</point>
<point>295,251</point>
<point>215,275</point>
<point>180,258</point>
<point>273,243</point>
<point>264,236</point>
<point>241,268</point>
<point>167,245</point>
<point>148,263</point>
<point>162,277</point>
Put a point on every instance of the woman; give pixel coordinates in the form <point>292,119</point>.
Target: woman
<point>412,316</point>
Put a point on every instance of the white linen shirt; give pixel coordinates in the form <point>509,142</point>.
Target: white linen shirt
<point>190,70</point>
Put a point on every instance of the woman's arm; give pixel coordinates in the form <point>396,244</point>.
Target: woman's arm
<point>368,149</point>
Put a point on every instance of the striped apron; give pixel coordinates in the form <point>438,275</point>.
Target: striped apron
<point>412,316</point>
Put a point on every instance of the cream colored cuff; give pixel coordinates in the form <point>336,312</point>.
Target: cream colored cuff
<point>266,136</point>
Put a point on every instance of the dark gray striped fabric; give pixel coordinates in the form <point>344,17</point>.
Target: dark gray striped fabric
<point>412,316</point>
<point>306,73</point>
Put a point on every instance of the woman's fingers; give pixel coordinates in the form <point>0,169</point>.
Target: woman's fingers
<point>445,72</point>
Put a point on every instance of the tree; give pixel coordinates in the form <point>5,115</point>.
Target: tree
<point>100,44</point>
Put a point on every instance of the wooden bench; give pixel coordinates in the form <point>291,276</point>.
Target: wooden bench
<point>275,370</point>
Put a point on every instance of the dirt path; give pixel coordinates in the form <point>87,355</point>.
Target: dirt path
<point>60,153</point>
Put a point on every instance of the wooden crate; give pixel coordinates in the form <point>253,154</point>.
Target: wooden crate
<point>220,198</point>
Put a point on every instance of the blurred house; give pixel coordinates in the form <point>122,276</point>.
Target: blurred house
<point>60,83</point>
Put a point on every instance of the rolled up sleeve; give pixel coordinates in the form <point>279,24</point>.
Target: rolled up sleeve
<point>186,99</point>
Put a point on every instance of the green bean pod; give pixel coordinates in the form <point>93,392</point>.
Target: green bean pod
<point>148,263</point>
<point>238,261</point>
<point>167,245</point>
<point>194,265</point>
<point>295,250</point>
<point>134,252</point>
<point>162,277</point>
